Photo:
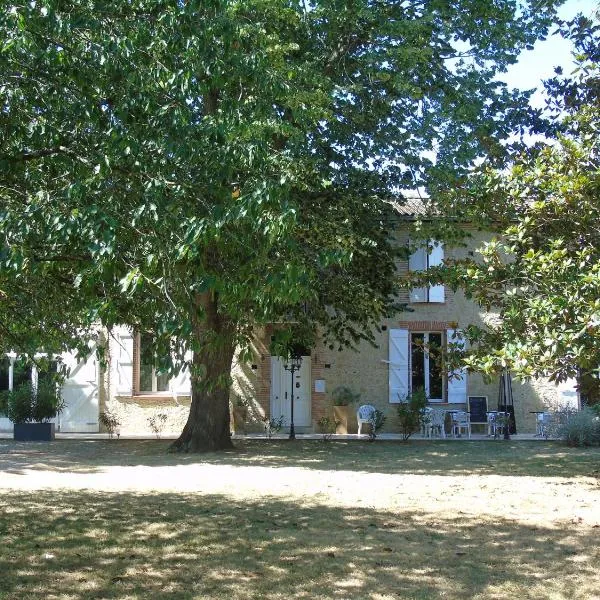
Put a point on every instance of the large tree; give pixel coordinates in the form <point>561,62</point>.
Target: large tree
<point>539,276</point>
<point>195,169</point>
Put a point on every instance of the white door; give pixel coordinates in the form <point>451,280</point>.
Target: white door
<point>281,389</point>
<point>80,393</point>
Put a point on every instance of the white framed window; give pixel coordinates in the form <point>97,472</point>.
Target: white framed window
<point>148,380</point>
<point>134,367</point>
<point>425,364</point>
<point>426,256</point>
<point>415,361</point>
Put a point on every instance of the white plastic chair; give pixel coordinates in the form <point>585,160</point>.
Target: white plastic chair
<point>496,422</point>
<point>491,422</point>
<point>426,421</point>
<point>365,414</point>
<point>542,424</point>
<point>461,420</point>
<point>438,421</point>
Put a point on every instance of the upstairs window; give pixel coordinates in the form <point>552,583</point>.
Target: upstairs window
<point>431,255</point>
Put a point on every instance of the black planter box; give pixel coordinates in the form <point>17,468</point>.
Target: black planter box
<point>34,432</point>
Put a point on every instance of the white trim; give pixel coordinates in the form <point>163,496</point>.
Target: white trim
<point>458,379</point>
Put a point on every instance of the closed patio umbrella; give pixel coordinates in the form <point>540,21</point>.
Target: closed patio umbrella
<point>506,402</point>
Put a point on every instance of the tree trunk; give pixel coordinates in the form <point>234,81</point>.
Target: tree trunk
<point>207,428</point>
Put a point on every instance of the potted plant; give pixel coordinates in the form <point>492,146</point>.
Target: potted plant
<point>343,410</point>
<point>30,408</point>
<point>240,414</point>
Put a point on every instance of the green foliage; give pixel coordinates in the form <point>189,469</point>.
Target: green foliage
<point>272,425</point>
<point>410,413</point>
<point>19,403</point>
<point>47,401</point>
<point>539,276</point>
<point>157,423</point>
<point>581,429</point>
<point>26,403</point>
<point>377,422</point>
<point>344,396</point>
<point>4,402</point>
<point>198,169</point>
<point>327,427</point>
<point>111,422</point>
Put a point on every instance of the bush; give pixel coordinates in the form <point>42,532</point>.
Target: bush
<point>273,425</point>
<point>594,407</point>
<point>377,422</point>
<point>581,429</point>
<point>344,396</point>
<point>327,427</point>
<point>157,423</point>
<point>111,423</point>
<point>4,402</point>
<point>47,401</point>
<point>27,403</point>
<point>410,413</point>
<point>19,403</point>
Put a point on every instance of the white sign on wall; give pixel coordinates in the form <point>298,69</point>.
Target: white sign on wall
<point>320,386</point>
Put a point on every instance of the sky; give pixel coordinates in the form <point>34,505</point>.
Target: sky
<point>538,64</point>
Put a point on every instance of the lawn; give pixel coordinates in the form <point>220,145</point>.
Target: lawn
<point>123,519</point>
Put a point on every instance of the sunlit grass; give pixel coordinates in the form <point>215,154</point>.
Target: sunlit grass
<point>307,520</point>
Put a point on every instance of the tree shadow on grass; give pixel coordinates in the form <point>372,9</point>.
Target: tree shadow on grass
<point>99,545</point>
<point>421,457</point>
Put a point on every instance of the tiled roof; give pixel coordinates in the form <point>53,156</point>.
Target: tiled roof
<point>413,205</point>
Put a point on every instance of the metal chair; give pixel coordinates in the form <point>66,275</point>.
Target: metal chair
<point>461,420</point>
<point>365,414</point>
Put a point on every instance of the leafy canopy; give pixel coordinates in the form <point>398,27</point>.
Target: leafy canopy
<point>539,277</point>
<point>155,153</point>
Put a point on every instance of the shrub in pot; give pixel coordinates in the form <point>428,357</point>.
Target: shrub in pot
<point>30,408</point>
<point>240,414</point>
<point>344,412</point>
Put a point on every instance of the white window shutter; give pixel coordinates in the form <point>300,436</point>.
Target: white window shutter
<point>418,262</point>
<point>398,371</point>
<point>436,259</point>
<point>457,380</point>
<point>124,356</point>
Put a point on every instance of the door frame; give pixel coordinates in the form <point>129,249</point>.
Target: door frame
<point>278,371</point>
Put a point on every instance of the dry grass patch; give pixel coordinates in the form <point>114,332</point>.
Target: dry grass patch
<point>307,520</point>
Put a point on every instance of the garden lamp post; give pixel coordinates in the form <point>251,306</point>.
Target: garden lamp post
<point>292,365</point>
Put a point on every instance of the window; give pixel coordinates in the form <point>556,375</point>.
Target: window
<point>430,255</point>
<point>415,361</point>
<point>150,381</point>
<point>425,361</point>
